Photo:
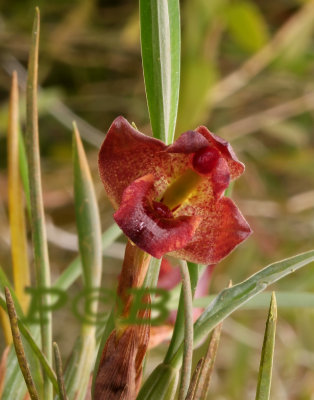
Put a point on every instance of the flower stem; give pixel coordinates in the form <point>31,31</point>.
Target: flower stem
<point>188,330</point>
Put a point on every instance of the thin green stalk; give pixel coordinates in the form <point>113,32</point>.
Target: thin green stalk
<point>188,330</point>
<point>42,270</point>
<point>266,364</point>
<point>58,363</point>
<point>19,349</point>
<point>178,332</point>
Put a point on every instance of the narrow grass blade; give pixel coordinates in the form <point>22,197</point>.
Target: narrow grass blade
<point>193,385</point>
<point>21,273</point>
<point>24,173</point>
<point>232,298</point>
<point>31,341</point>
<point>19,349</point>
<point>161,384</point>
<point>74,270</point>
<point>58,363</point>
<point>266,365</point>
<point>89,233</point>
<point>188,331</point>
<point>261,301</point>
<point>208,365</point>
<point>178,332</point>
<point>37,210</point>
<point>160,40</point>
<point>87,216</point>
<point>4,282</point>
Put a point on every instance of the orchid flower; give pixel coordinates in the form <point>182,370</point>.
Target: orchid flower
<point>170,199</point>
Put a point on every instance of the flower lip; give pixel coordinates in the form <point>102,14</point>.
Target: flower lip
<point>162,210</point>
<point>205,159</point>
<point>150,224</point>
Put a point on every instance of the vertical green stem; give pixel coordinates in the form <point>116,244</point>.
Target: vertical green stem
<point>188,330</point>
<point>42,270</point>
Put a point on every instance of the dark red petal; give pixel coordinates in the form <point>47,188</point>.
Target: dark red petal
<point>223,227</point>
<point>188,142</point>
<point>125,155</point>
<point>205,159</point>
<point>235,166</point>
<point>146,227</point>
<point>220,178</point>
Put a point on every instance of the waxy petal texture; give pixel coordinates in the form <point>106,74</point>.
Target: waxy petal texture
<point>202,226</point>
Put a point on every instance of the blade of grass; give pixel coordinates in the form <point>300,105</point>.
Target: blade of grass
<point>160,41</point>
<point>232,298</point>
<point>261,301</point>
<point>19,348</point>
<point>178,331</point>
<point>89,234</point>
<point>208,365</point>
<point>21,273</point>
<point>266,364</point>
<point>4,282</point>
<point>31,340</point>
<point>24,173</point>
<point>161,384</point>
<point>37,210</point>
<point>193,385</point>
<point>188,330</point>
<point>87,216</point>
<point>58,363</point>
<point>74,270</point>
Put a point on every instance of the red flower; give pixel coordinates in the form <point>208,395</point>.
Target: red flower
<point>170,198</point>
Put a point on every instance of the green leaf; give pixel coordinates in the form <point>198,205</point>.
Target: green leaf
<point>202,387</point>
<point>232,298</point>
<point>188,330</point>
<point>161,384</point>
<point>41,259</point>
<point>247,25</point>
<point>266,365</point>
<point>20,266</point>
<point>87,216</point>
<point>19,348</point>
<point>89,232</point>
<point>260,301</point>
<point>58,363</point>
<point>74,270</point>
<point>160,40</point>
<point>178,332</point>
<point>31,340</point>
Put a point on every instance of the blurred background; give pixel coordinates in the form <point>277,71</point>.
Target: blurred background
<point>247,74</point>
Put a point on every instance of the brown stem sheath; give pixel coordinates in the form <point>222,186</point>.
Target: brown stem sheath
<point>120,368</point>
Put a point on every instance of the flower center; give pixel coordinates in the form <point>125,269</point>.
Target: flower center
<point>162,210</point>
<point>178,191</point>
<point>203,162</point>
